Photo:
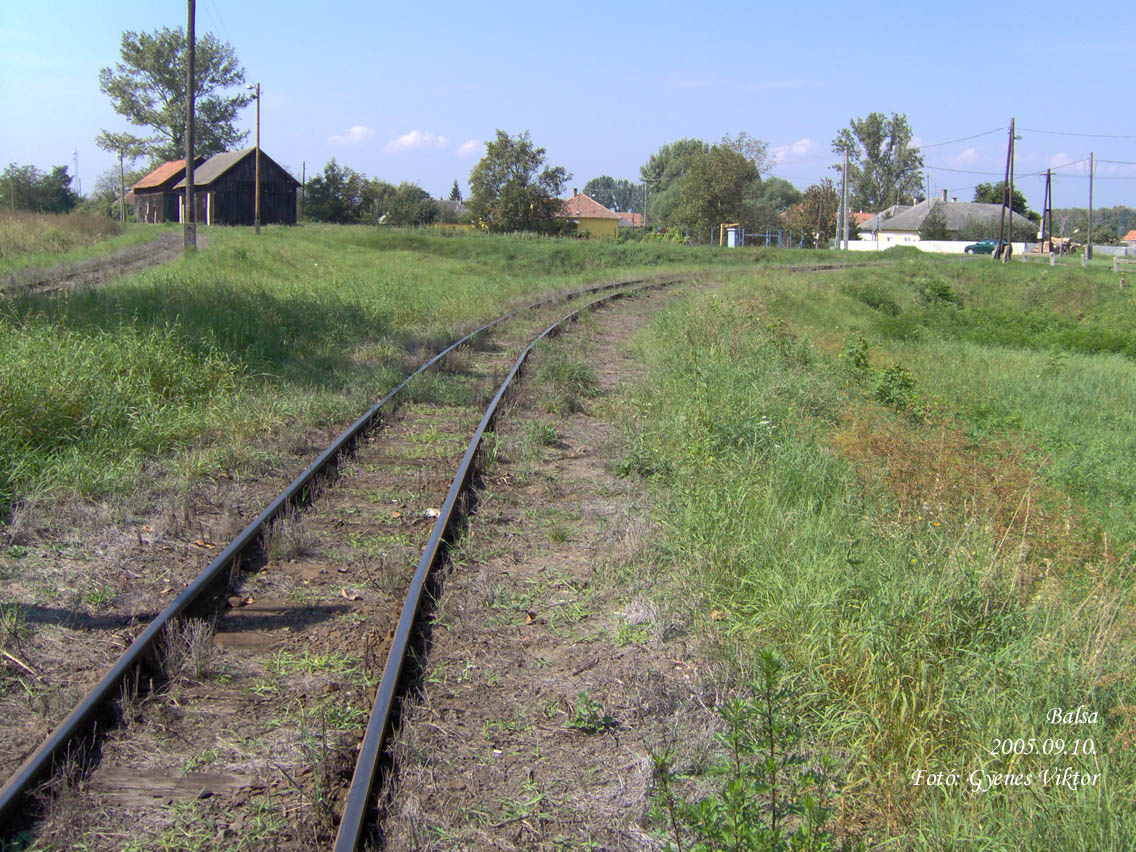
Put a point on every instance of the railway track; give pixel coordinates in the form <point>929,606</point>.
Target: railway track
<point>251,689</point>
<point>149,715</point>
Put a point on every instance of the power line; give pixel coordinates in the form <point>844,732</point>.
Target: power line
<point>961,171</point>
<point>1091,135</point>
<point>964,138</point>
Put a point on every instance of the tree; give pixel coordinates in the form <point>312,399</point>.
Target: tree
<point>768,199</point>
<point>128,147</point>
<point>106,195</point>
<point>409,205</point>
<point>994,193</point>
<point>148,88</point>
<point>511,189</point>
<point>934,226</point>
<point>27,188</point>
<point>455,192</point>
<point>883,167</point>
<point>813,220</point>
<point>662,173</point>
<point>713,190</point>
<point>620,196</point>
<point>753,149</point>
<point>336,196</point>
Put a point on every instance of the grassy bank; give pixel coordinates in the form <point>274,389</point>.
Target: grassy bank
<point>193,365</point>
<point>911,482</point>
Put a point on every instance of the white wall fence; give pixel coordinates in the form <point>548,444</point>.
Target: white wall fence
<point>959,247</point>
<point>936,246</point>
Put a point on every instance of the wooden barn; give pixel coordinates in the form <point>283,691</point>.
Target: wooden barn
<point>225,186</point>
<point>154,197</point>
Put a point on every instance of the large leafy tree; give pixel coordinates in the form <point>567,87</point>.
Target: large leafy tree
<point>768,199</point>
<point>662,173</point>
<point>148,89</point>
<point>27,188</point>
<point>408,204</point>
<point>714,189</point>
<point>994,193</point>
<point>511,188</point>
<point>753,149</point>
<point>616,194</point>
<point>336,196</point>
<point>884,167</point>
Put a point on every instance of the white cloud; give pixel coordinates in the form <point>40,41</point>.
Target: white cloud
<point>416,139</point>
<point>354,136</point>
<point>1059,160</point>
<point>965,158</point>
<point>469,147</point>
<point>783,153</point>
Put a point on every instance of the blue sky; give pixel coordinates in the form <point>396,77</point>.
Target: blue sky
<point>407,91</point>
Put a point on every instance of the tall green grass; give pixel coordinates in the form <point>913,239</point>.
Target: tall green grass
<point>190,365</point>
<point>916,642</point>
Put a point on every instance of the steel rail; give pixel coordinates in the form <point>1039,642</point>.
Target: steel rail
<point>351,824</point>
<point>85,717</point>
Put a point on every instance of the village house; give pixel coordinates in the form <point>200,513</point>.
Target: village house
<point>225,190</point>
<point>591,217</point>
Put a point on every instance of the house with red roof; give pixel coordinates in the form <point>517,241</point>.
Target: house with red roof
<point>591,217</point>
<point>1129,239</point>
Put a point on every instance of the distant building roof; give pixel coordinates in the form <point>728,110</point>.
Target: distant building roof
<point>956,214</point>
<point>630,220</point>
<point>1130,237</point>
<point>161,174</point>
<point>581,206</point>
<point>860,217</point>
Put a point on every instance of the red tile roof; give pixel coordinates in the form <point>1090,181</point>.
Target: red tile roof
<point>632,220</point>
<point>1130,236</point>
<point>861,218</point>
<point>581,206</point>
<point>161,174</point>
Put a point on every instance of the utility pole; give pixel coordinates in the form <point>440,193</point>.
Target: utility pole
<point>1010,195</point>
<point>190,231</point>
<point>844,202</point>
<point>303,186</point>
<point>1005,188</point>
<point>1092,169</point>
<point>256,202</point>
<point>1047,212</point>
<point>121,186</point>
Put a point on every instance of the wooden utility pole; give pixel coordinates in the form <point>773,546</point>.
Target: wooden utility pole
<point>256,203</point>
<point>121,187</point>
<point>190,232</point>
<point>1047,212</point>
<point>1005,188</point>
<point>303,187</point>
<point>844,202</point>
<point>1092,169</point>
<point>1010,197</point>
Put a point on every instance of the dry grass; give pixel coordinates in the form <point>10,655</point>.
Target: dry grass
<point>34,233</point>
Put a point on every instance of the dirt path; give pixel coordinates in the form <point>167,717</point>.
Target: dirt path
<point>552,675</point>
<point>96,270</point>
